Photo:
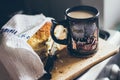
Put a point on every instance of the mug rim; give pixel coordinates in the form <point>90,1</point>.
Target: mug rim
<point>84,8</point>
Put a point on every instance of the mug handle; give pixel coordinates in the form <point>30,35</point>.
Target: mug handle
<point>54,24</point>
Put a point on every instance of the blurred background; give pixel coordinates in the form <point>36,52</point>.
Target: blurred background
<point>109,19</point>
<point>109,9</point>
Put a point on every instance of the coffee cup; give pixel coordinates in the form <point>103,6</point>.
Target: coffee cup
<point>81,23</point>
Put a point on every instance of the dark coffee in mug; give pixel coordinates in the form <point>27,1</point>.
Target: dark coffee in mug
<point>82,27</point>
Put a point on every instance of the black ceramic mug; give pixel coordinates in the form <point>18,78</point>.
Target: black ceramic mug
<point>82,27</point>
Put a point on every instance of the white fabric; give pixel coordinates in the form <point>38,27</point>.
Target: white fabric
<point>18,61</point>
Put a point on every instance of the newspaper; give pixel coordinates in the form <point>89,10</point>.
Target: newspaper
<point>18,61</point>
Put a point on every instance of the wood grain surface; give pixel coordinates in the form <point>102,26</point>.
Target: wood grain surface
<point>68,67</point>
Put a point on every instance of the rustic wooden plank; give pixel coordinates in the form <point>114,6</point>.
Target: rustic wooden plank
<point>68,67</point>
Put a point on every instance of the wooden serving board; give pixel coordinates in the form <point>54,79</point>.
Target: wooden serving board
<point>68,67</point>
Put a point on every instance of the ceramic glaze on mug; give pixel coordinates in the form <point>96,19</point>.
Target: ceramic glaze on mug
<point>82,27</point>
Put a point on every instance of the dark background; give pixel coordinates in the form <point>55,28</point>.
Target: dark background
<point>8,8</point>
<point>54,8</point>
